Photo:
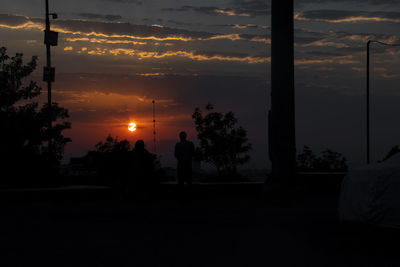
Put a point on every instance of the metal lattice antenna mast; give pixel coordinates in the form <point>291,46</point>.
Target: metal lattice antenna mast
<point>154,126</point>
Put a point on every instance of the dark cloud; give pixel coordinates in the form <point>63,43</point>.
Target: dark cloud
<point>302,31</point>
<point>180,23</point>
<point>325,54</point>
<point>252,7</point>
<point>379,2</point>
<point>343,41</point>
<point>344,34</point>
<point>205,10</point>
<point>351,49</point>
<point>252,36</point>
<point>238,8</point>
<point>100,16</point>
<point>370,2</point>
<point>126,29</point>
<point>305,40</point>
<point>244,26</point>
<point>347,15</point>
<point>108,28</point>
<point>137,2</point>
<point>12,20</point>
<point>222,53</point>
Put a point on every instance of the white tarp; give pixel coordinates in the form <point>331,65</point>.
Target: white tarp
<point>371,194</point>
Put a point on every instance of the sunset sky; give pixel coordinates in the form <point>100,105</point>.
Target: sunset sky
<point>115,56</point>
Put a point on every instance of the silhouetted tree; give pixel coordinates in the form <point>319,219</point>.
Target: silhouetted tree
<point>25,132</point>
<point>331,161</point>
<point>328,161</point>
<point>112,145</point>
<point>222,142</point>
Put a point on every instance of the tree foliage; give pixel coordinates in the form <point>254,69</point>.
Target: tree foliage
<point>113,145</point>
<point>25,131</point>
<point>222,142</point>
<point>328,161</point>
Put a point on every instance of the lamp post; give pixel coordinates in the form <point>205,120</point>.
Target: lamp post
<point>367,92</point>
<point>50,39</point>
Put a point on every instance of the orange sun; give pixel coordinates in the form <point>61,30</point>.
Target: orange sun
<point>132,127</point>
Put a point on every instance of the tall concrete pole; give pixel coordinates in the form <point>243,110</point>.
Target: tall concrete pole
<point>282,138</point>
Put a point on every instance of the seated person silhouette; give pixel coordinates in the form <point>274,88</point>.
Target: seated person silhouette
<point>142,167</point>
<point>184,151</point>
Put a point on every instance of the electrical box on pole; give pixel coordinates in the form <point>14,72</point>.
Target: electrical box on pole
<point>49,74</point>
<point>51,38</point>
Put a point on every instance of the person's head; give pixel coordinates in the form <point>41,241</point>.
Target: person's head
<point>139,145</point>
<point>182,136</point>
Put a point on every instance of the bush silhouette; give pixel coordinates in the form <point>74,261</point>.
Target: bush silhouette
<point>329,161</point>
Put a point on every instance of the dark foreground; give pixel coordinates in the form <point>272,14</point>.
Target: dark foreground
<point>210,230</point>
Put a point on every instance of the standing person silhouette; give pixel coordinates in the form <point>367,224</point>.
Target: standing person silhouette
<point>184,151</point>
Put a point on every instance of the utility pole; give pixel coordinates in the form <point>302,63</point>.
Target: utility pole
<point>281,117</point>
<point>50,39</point>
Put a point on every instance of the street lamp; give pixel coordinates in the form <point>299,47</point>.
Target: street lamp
<point>368,80</point>
<point>50,39</point>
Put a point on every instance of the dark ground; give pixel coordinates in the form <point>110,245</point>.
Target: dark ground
<point>218,227</point>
